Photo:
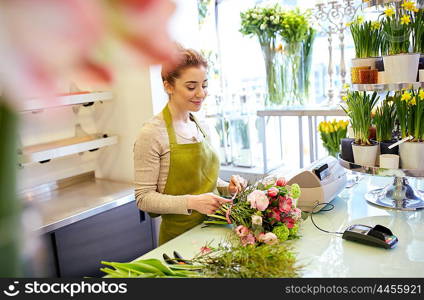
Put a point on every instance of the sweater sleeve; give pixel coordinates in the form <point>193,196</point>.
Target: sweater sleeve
<point>147,162</point>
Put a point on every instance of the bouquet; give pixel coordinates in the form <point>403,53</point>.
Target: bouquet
<point>264,213</point>
<point>331,135</point>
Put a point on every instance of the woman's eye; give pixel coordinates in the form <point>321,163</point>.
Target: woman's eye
<point>190,88</point>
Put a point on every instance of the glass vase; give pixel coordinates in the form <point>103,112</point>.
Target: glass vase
<point>291,75</point>
<point>273,93</point>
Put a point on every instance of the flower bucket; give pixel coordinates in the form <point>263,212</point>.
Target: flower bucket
<point>364,62</point>
<point>365,155</point>
<point>384,147</point>
<point>346,149</point>
<point>401,68</point>
<point>411,155</point>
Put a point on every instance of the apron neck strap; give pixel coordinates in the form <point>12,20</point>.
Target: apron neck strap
<point>168,121</point>
<point>171,132</point>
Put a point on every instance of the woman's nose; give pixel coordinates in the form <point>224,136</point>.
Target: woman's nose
<point>201,93</point>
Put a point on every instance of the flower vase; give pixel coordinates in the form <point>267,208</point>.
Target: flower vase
<point>291,75</point>
<point>365,155</point>
<point>271,67</point>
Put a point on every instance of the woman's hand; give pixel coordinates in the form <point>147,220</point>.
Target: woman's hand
<point>237,184</point>
<point>206,203</point>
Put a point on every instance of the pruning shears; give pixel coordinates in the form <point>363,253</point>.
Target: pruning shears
<point>178,259</point>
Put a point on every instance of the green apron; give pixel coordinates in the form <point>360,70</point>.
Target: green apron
<point>193,170</point>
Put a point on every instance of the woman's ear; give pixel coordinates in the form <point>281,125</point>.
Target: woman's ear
<point>169,89</point>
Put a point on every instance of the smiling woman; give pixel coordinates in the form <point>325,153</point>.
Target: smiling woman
<point>176,169</point>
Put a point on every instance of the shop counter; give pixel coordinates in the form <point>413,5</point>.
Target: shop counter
<point>328,255</point>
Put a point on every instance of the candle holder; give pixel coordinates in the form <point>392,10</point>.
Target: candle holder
<point>331,16</point>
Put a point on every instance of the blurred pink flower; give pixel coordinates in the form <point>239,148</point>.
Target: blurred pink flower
<point>273,192</point>
<point>268,238</point>
<point>281,181</point>
<point>248,240</point>
<point>258,200</point>
<point>284,204</point>
<point>296,214</point>
<point>242,231</point>
<point>205,250</point>
<point>289,222</point>
<point>275,214</point>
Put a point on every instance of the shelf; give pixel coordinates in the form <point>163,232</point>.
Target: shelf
<point>372,3</point>
<point>380,87</point>
<point>381,171</point>
<point>47,151</point>
<point>65,100</point>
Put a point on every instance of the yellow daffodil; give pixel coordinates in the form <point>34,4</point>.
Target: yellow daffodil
<point>360,20</point>
<point>348,24</point>
<point>405,19</point>
<point>390,12</point>
<point>409,5</point>
<point>344,98</point>
<point>413,101</point>
<point>406,97</point>
<point>346,86</point>
<point>421,95</point>
<point>375,25</point>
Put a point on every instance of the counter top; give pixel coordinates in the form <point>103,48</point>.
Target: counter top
<point>328,255</point>
<point>76,202</point>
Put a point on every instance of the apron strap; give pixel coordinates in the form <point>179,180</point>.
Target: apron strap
<point>198,126</point>
<point>168,121</point>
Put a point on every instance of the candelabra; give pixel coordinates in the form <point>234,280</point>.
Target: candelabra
<point>331,16</point>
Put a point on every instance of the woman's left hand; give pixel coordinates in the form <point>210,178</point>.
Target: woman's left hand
<point>237,184</point>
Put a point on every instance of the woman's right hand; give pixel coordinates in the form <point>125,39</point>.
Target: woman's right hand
<point>206,203</point>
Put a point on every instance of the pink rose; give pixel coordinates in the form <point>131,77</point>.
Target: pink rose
<point>289,222</point>
<point>248,240</point>
<point>242,231</point>
<point>296,213</point>
<point>268,238</point>
<point>281,181</point>
<point>285,204</point>
<point>258,200</point>
<point>273,192</point>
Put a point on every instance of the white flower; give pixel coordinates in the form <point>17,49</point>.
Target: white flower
<point>272,18</point>
<point>263,26</point>
<point>255,16</point>
<point>256,220</point>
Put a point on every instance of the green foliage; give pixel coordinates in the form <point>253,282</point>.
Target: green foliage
<point>367,37</point>
<point>396,36</point>
<point>384,120</point>
<point>294,29</point>
<point>282,232</point>
<point>417,27</point>
<point>359,108</point>
<point>410,113</point>
<point>236,261</point>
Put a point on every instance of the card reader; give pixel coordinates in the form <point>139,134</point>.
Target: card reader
<point>378,236</point>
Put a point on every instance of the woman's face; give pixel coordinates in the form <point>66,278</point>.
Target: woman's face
<point>190,89</point>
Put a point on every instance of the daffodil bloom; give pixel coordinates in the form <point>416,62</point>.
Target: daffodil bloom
<point>344,98</point>
<point>421,95</point>
<point>375,25</point>
<point>346,86</point>
<point>406,97</point>
<point>409,5</point>
<point>405,19</point>
<point>360,20</point>
<point>390,12</point>
<point>348,24</point>
<point>413,101</point>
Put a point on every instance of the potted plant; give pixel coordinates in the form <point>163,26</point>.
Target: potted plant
<point>410,113</point>
<point>331,135</point>
<point>400,66</point>
<point>417,26</point>
<point>384,120</point>
<point>367,38</point>
<point>358,109</point>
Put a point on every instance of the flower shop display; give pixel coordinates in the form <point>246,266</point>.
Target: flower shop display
<point>410,114</point>
<point>400,65</point>
<point>331,135</point>
<point>264,213</point>
<point>286,40</point>
<point>264,23</point>
<point>358,109</point>
<point>384,121</point>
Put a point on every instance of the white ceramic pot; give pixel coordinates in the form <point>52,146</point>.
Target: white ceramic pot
<point>365,155</point>
<point>364,62</point>
<point>389,161</point>
<point>421,75</point>
<point>411,155</point>
<point>401,68</point>
<point>381,77</point>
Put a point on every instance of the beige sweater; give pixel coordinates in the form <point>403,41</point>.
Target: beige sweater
<point>151,166</point>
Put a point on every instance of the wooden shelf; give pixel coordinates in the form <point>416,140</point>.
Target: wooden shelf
<point>65,100</point>
<point>47,151</point>
<point>380,87</point>
<point>373,3</point>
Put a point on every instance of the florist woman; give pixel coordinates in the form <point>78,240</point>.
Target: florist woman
<point>176,169</point>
